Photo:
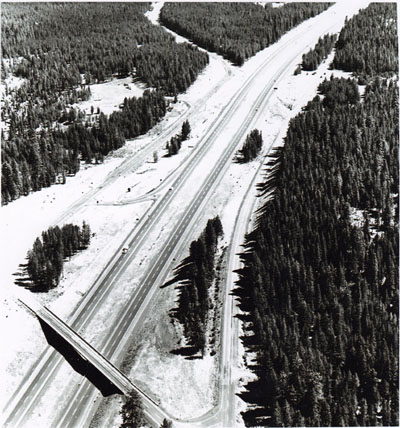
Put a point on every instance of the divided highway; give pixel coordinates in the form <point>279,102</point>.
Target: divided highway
<point>157,274</point>
<point>34,384</point>
<point>79,411</point>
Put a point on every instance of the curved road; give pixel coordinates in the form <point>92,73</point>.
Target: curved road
<point>74,414</point>
<point>33,385</point>
<point>157,273</point>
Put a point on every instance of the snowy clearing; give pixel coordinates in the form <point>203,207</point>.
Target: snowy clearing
<point>110,95</point>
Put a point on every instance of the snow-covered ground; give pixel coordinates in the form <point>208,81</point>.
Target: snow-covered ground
<point>110,95</point>
<point>110,210</point>
<point>154,368</point>
<point>12,82</point>
<point>7,88</point>
<point>116,212</point>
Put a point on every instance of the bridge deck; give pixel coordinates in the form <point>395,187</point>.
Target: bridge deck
<point>82,347</point>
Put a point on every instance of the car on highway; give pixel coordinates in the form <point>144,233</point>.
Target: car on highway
<point>124,250</point>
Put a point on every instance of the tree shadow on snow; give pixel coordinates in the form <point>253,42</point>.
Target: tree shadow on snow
<point>190,352</point>
<point>23,280</point>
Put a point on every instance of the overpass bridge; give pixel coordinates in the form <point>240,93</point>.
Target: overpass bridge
<point>85,359</point>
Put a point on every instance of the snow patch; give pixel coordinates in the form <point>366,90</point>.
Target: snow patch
<point>154,12</point>
<point>12,83</point>
<point>24,219</point>
<point>110,95</point>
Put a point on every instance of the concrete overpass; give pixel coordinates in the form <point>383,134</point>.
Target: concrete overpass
<point>89,362</point>
<point>85,359</point>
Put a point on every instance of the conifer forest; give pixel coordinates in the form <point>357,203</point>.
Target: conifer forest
<point>236,30</point>
<point>58,43</point>
<point>200,214</point>
<point>319,290</point>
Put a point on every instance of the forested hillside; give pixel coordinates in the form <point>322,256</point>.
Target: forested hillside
<point>58,48</point>
<point>368,43</point>
<point>57,42</point>
<point>319,286</point>
<point>236,30</point>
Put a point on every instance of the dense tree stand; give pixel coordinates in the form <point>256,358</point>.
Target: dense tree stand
<point>46,258</point>
<point>319,286</point>
<point>195,274</point>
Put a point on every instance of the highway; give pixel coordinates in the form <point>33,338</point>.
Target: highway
<point>158,273</point>
<point>83,348</point>
<point>50,361</point>
<point>79,411</point>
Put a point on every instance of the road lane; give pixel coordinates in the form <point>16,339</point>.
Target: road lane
<point>207,188</point>
<point>175,240</point>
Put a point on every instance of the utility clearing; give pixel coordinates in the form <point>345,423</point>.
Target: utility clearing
<point>99,195</point>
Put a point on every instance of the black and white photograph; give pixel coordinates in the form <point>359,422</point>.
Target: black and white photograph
<point>199,214</point>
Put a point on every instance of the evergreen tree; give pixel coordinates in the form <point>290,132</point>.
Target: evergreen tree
<point>85,235</point>
<point>132,411</point>
<point>166,424</point>
<point>46,258</point>
<point>251,147</point>
<point>185,130</point>
<point>312,59</point>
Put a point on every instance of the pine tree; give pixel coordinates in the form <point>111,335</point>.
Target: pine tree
<point>251,147</point>
<point>85,236</point>
<point>132,411</point>
<point>166,424</point>
<point>185,130</point>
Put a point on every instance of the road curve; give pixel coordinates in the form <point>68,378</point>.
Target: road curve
<point>70,415</point>
<point>155,274</point>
